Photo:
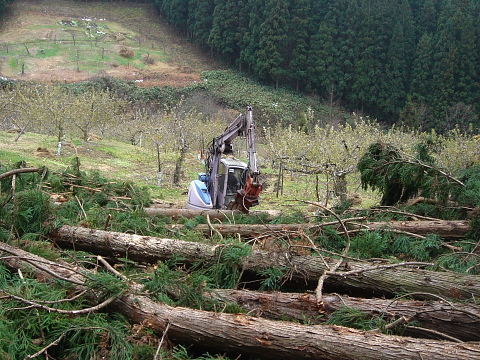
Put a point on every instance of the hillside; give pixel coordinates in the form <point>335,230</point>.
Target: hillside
<point>67,41</point>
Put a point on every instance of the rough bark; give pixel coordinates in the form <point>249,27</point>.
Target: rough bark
<point>458,320</point>
<point>378,279</point>
<point>453,229</point>
<point>265,339</point>
<point>221,215</point>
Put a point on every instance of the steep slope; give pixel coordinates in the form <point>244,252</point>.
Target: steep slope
<point>65,41</point>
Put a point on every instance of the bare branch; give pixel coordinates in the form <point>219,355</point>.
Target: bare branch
<point>390,266</point>
<point>18,171</point>
<point>40,352</point>
<point>60,311</point>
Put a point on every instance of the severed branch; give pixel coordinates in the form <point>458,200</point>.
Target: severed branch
<point>41,351</point>
<point>434,332</point>
<point>37,305</point>
<point>400,321</point>
<point>110,268</point>
<point>35,263</point>
<point>475,315</point>
<point>18,171</point>
<point>212,228</point>
<point>378,267</point>
<point>161,342</point>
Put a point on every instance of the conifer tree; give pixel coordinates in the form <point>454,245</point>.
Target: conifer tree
<point>224,34</point>
<point>273,41</point>
<point>394,95</point>
<point>251,39</point>
<point>455,73</point>
<point>300,33</point>
<point>428,18</point>
<point>177,12</point>
<point>422,85</point>
<point>200,18</point>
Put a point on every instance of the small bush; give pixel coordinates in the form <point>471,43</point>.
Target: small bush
<point>126,52</point>
<point>147,59</point>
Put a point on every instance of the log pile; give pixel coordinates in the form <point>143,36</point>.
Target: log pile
<point>443,327</point>
<point>244,334</point>
<point>374,278</point>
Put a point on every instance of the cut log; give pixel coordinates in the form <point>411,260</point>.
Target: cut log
<point>384,280</point>
<point>264,339</point>
<point>448,229</point>
<point>458,320</point>
<point>453,229</point>
<point>213,214</point>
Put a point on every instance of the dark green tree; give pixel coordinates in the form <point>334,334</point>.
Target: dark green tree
<point>200,19</point>
<point>225,32</point>
<point>396,74</point>
<point>369,67</point>
<point>428,18</point>
<point>251,39</point>
<point>422,84</point>
<point>177,13</point>
<point>273,42</point>
<point>456,80</point>
<point>301,29</point>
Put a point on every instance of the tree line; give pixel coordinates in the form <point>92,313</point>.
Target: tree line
<point>414,62</point>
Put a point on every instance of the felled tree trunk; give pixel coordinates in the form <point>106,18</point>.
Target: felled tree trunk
<point>461,321</point>
<point>221,215</point>
<point>265,339</point>
<point>453,229</point>
<point>378,279</point>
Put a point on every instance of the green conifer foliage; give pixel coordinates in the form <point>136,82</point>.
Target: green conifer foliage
<point>399,178</point>
<point>225,29</point>
<point>273,41</point>
<point>200,19</point>
<point>300,33</point>
<point>393,60</point>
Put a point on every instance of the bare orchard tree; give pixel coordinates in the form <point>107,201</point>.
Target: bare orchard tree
<point>8,115</point>
<point>162,139</point>
<point>48,108</point>
<point>331,151</point>
<point>96,110</point>
<point>179,131</point>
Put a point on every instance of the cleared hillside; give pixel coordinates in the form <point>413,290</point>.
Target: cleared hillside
<point>66,41</point>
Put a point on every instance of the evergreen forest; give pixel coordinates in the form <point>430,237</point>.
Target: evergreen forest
<point>414,62</point>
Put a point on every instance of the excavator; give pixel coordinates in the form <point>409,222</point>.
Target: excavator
<point>227,182</point>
